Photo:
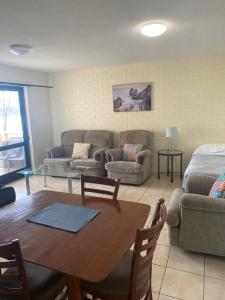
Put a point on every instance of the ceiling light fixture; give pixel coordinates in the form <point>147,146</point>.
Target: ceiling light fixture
<point>153,29</point>
<point>19,49</point>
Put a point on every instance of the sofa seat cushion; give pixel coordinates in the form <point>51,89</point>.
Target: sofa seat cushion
<point>90,162</point>
<point>128,167</point>
<point>63,161</point>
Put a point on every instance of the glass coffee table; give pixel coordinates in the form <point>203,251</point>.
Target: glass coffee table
<point>54,171</point>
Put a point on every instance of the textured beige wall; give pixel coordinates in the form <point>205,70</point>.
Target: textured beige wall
<point>189,94</point>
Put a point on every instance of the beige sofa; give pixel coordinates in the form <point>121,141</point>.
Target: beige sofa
<point>196,221</point>
<point>100,140</point>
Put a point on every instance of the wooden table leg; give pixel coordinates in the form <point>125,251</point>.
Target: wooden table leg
<point>74,288</point>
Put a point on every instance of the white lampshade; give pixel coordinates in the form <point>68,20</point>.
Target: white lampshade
<point>171,132</point>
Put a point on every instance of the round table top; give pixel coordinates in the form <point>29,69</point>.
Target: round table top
<point>170,152</point>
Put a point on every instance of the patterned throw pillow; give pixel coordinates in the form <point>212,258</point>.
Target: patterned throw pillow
<point>218,188</point>
<point>130,151</point>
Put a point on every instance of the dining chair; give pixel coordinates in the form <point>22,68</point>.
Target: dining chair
<point>27,281</point>
<point>100,180</point>
<point>131,279</point>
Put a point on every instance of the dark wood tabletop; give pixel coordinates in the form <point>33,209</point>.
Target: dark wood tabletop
<point>90,254</point>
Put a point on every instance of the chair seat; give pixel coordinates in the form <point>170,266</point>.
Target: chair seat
<point>41,281</point>
<point>129,167</point>
<point>117,283</point>
<point>90,162</point>
<point>64,161</point>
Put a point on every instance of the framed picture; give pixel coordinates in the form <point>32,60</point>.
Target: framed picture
<point>132,97</point>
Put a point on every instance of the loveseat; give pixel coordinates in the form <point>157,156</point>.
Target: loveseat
<point>196,221</point>
<point>100,140</point>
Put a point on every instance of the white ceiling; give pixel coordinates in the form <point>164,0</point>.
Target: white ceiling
<point>72,34</point>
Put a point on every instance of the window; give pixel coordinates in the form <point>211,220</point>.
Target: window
<point>14,141</point>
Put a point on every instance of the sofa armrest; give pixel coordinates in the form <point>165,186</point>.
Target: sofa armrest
<point>113,154</point>
<point>203,203</point>
<point>55,152</point>
<point>173,208</point>
<point>142,155</point>
<point>199,184</point>
<point>99,155</point>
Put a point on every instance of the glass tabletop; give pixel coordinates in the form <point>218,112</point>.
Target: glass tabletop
<point>58,171</point>
<point>170,152</point>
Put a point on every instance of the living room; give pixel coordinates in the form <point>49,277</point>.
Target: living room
<point>71,57</point>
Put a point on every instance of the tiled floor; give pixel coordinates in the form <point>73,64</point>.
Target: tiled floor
<point>176,274</point>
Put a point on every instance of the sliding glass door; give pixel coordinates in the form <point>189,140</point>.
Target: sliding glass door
<point>14,141</point>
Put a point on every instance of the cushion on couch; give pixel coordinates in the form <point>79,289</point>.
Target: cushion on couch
<point>98,139</point>
<point>91,162</point>
<point>69,137</point>
<point>128,167</point>
<point>80,150</point>
<point>130,151</point>
<point>218,188</point>
<point>65,161</point>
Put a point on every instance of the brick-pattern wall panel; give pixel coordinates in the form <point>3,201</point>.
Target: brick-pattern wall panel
<point>189,94</point>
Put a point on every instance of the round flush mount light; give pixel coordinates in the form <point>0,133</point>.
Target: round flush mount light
<point>19,49</point>
<point>153,29</point>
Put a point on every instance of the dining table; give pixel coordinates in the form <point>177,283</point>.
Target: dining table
<point>91,253</point>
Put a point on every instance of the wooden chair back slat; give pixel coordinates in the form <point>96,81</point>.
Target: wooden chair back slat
<point>12,253</point>
<point>9,277</point>
<point>147,257</point>
<point>11,291</point>
<point>100,180</point>
<point>148,245</point>
<point>145,244</point>
<point>8,264</point>
<point>92,190</point>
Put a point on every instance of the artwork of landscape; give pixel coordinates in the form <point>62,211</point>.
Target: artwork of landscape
<point>132,97</point>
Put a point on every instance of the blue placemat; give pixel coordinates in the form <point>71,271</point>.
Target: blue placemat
<point>64,216</point>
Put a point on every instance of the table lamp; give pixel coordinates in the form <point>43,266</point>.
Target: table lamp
<point>171,133</point>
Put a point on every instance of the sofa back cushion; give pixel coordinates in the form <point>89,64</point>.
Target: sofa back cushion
<point>142,137</point>
<point>69,137</point>
<point>98,139</point>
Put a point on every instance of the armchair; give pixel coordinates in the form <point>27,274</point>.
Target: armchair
<point>196,222</point>
<point>132,172</point>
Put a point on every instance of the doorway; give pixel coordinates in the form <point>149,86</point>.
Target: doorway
<point>14,139</point>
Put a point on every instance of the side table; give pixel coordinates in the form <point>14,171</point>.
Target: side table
<point>170,153</point>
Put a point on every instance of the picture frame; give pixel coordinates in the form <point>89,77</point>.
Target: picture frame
<point>132,97</point>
